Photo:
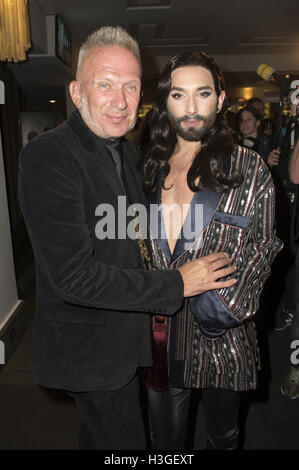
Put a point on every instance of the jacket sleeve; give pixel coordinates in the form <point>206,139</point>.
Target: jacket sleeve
<point>51,199</point>
<point>218,310</point>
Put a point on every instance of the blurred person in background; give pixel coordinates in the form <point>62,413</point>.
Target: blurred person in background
<point>286,190</point>
<point>266,144</point>
<point>252,136</point>
<point>290,385</point>
<point>257,103</point>
<point>249,121</point>
<point>31,135</point>
<point>268,128</point>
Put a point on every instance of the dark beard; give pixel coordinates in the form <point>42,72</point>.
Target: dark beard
<point>192,134</point>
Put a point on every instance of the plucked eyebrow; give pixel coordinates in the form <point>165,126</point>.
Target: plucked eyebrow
<point>200,88</point>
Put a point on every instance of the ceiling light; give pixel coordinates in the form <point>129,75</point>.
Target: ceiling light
<point>247,93</point>
<point>52,101</point>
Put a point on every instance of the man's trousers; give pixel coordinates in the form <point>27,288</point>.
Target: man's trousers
<point>111,420</point>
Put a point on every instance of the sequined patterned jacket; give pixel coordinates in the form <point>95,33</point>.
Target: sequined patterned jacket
<point>212,339</point>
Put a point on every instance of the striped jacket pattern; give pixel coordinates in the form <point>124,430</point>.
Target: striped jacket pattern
<point>211,341</point>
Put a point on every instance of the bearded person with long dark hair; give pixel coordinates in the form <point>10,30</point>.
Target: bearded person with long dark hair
<point>213,197</point>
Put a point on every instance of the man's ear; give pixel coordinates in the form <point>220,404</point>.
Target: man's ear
<point>221,99</point>
<point>75,92</point>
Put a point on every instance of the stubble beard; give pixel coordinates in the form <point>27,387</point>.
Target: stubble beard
<point>85,114</point>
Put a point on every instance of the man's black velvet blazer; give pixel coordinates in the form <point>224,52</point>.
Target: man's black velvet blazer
<point>92,324</point>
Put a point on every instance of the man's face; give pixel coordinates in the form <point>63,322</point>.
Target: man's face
<point>108,91</point>
<point>192,102</point>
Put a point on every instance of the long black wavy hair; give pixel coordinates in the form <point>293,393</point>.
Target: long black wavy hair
<point>212,162</point>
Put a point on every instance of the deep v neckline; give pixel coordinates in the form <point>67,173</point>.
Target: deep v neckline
<point>183,217</point>
<point>201,210</point>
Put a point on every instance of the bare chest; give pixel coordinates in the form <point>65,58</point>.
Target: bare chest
<point>175,205</point>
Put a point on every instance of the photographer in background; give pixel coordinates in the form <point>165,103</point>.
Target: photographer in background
<point>290,385</point>
<point>253,136</point>
<point>285,212</point>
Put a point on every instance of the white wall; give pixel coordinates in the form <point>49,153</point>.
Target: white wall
<point>8,290</point>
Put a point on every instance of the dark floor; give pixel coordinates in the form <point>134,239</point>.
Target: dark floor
<point>35,418</point>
